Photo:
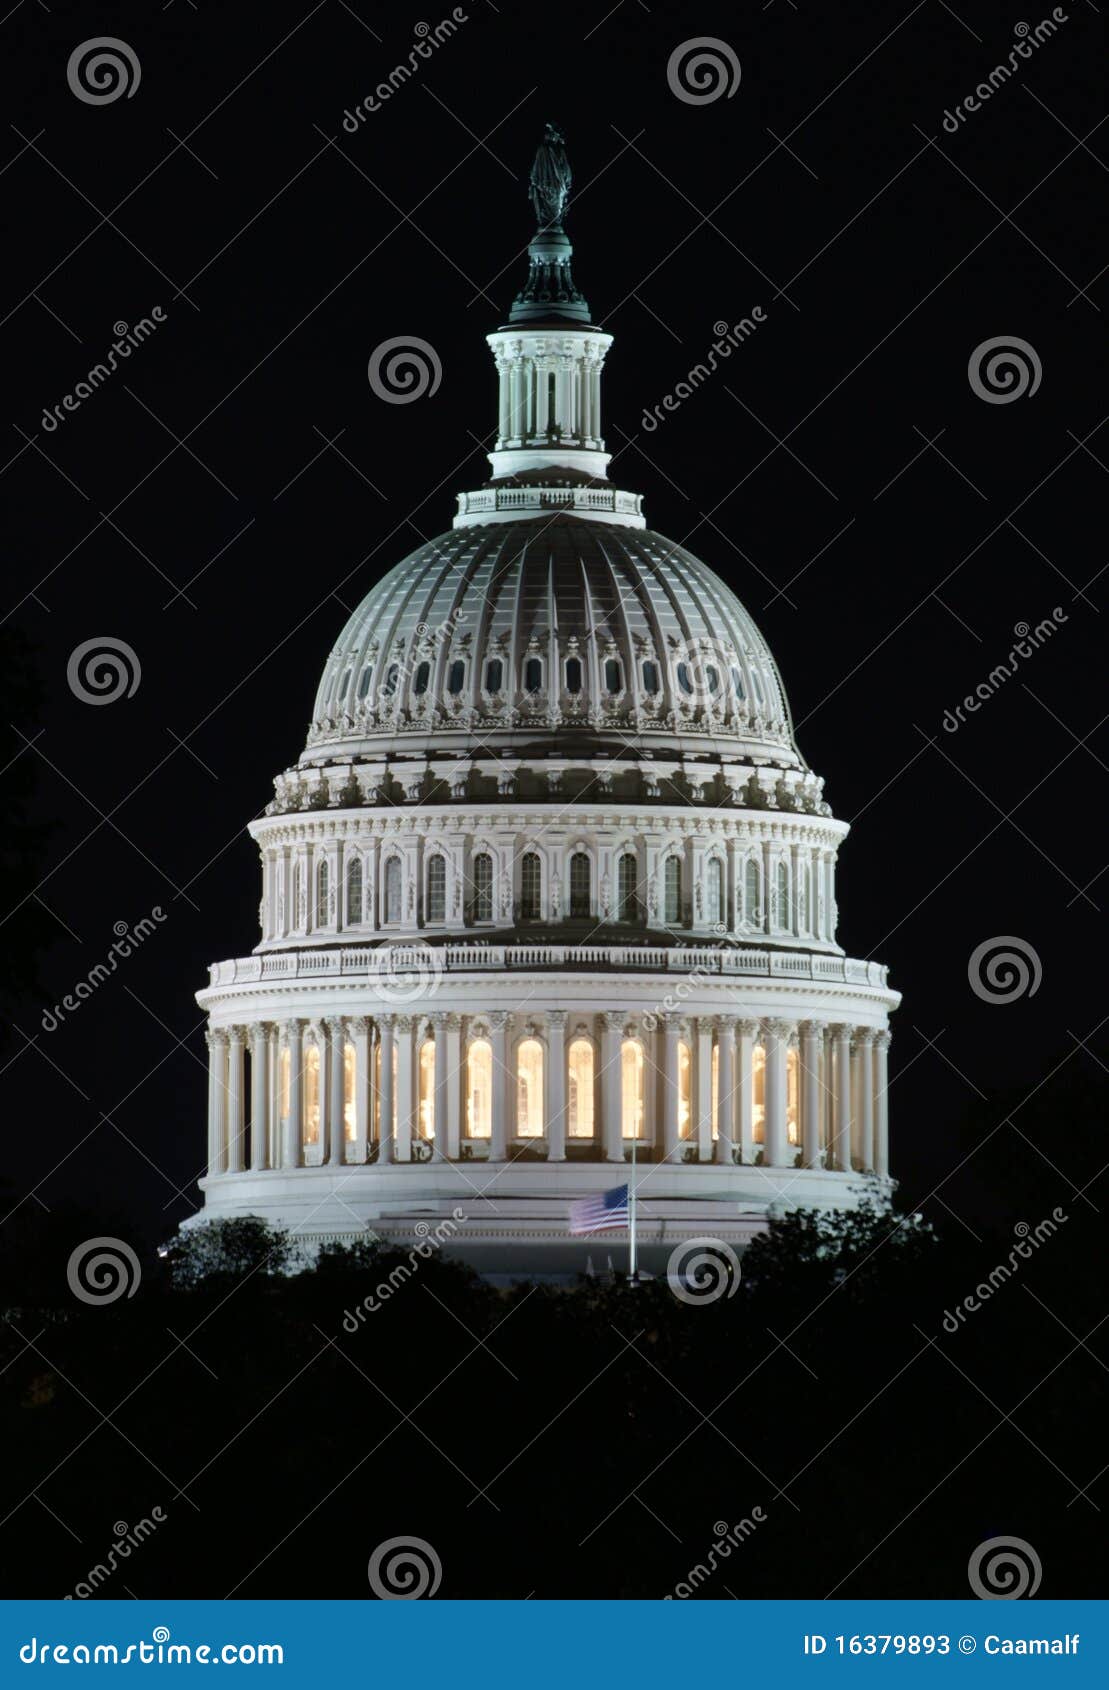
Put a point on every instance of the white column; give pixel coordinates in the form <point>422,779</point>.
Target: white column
<point>703,1083</point>
<point>811,1040</point>
<point>235,1101</point>
<point>864,1069</point>
<point>775,1039</point>
<point>725,1088</point>
<point>840,1157</point>
<point>612,1089</point>
<point>216,1050</point>
<point>259,1064</point>
<point>406,1097</point>
<point>671,1028</point>
<point>498,1125</point>
<point>336,1089</point>
<point>748,1032</point>
<point>294,1126</point>
<point>359,1029</point>
<point>881,1106</point>
<point>439,1097</point>
<point>386,1100</point>
<point>556,1085</point>
<point>542,386</point>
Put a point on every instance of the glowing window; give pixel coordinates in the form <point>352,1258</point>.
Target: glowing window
<point>529,1089</point>
<point>628,887</point>
<point>573,674</point>
<point>531,882</point>
<point>685,1090</point>
<point>633,1088</point>
<point>793,1076</point>
<point>437,889</point>
<point>426,1105</point>
<point>354,892</point>
<point>483,887</point>
<point>758,1090</point>
<point>377,1091</point>
<point>580,1089</point>
<point>672,889</point>
<point>322,879</point>
<point>350,1113</point>
<point>579,884</point>
<point>392,889</point>
<point>479,1089</point>
<point>421,678</point>
<point>311,1095</point>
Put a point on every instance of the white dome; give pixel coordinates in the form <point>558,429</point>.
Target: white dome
<point>515,631</point>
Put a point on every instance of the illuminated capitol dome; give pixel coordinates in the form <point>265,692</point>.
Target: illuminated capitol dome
<point>551,878</point>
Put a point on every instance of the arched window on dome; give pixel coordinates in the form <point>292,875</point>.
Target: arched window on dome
<point>573,675</point>
<point>393,889</point>
<point>756,681</point>
<point>311,1093</point>
<point>529,1089</point>
<point>651,682</point>
<point>685,679</point>
<point>672,891</point>
<point>365,679</point>
<point>533,675</point>
<point>633,1077</point>
<point>494,675</point>
<point>531,886</point>
<point>323,877</point>
<point>737,685</point>
<point>685,1090</point>
<point>456,677</point>
<point>614,675</point>
<point>354,892</point>
<point>344,684</point>
<point>580,884</point>
<point>579,1089</point>
<point>752,893</point>
<point>421,678</point>
<point>350,1110</point>
<point>437,888</point>
<point>425,1113</point>
<point>479,1089</point>
<point>628,888</point>
<point>715,899</point>
<point>781,896</point>
<point>483,886</point>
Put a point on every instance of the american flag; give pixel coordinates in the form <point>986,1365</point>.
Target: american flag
<point>598,1214</point>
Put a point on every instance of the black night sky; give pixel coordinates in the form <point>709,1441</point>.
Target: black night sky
<point>225,501</point>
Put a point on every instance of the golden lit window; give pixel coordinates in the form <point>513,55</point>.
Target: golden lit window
<point>479,1089</point>
<point>580,1089</point>
<point>284,1071</point>
<point>350,1114</point>
<point>632,1076</point>
<point>758,1103</point>
<point>685,1090</point>
<point>312,1095</point>
<point>377,1091</point>
<point>529,1089</point>
<point>793,1074</point>
<point>426,1115</point>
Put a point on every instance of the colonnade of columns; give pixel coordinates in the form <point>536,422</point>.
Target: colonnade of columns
<point>719,1088</point>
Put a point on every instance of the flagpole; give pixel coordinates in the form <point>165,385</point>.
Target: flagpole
<point>632,1214</point>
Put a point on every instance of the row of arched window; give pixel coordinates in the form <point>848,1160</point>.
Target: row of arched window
<point>693,679</point>
<point>785,899</point>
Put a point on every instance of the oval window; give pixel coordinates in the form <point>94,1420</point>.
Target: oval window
<point>685,679</point>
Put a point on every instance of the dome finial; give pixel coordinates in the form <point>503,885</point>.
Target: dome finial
<point>549,294</point>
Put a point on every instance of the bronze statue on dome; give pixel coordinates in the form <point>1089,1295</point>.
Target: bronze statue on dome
<point>550,179</point>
